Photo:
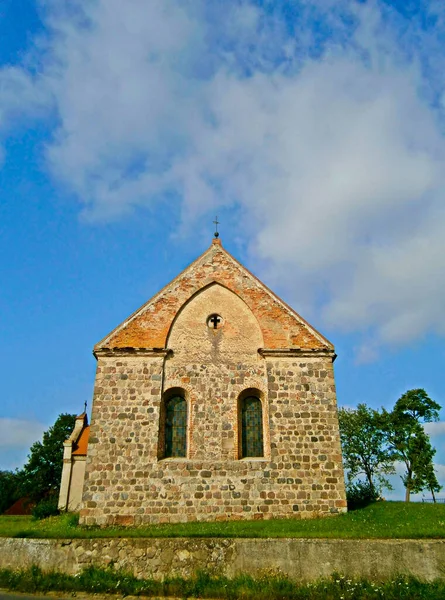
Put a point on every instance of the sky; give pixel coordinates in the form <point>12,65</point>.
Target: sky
<point>314,129</point>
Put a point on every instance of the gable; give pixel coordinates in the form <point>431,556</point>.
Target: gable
<point>193,338</point>
<point>281,327</point>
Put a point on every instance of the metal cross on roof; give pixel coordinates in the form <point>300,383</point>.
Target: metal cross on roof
<point>216,226</point>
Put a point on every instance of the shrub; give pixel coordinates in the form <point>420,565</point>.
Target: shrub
<point>360,494</point>
<point>72,519</point>
<point>45,508</point>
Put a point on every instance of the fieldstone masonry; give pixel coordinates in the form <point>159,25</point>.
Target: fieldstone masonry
<point>298,559</point>
<point>257,346</point>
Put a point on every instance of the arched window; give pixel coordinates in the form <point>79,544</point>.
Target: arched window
<point>251,427</point>
<point>176,427</point>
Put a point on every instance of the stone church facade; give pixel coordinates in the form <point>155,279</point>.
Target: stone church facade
<point>213,401</point>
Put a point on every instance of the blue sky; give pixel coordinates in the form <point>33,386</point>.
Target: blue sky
<point>313,128</point>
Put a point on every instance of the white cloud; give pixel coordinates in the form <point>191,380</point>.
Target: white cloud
<point>16,439</point>
<point>440,472</point>
<point>435,429</point>
<point>15,433</point>
<point>331,148</point>
<point>21,94</point>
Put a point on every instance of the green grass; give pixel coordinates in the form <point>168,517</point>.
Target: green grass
<point>380,520</point>
<point>203,585</point>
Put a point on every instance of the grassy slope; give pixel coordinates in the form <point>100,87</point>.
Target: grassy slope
<point>202,585</point>
<point>381,520</point>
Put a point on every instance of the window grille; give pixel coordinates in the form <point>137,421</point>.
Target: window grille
<point>176,427</point>
<point>252,427</point>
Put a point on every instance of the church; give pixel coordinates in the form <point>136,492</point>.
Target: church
<point>213,401</point>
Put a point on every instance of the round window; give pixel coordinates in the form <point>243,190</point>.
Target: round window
<point>215,321</point>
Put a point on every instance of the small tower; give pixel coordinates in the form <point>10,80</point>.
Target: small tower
<point>74,461</point>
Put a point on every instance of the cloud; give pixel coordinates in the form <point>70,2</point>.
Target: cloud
<point>435,429</point>
<point>16,438</point>
<point>16,433</point>
<point>440,472</point>
<point>22,97</point>
<point>323,131</point>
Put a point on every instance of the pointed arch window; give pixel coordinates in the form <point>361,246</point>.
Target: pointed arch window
<point>176,427</point>
<point>251,427</point>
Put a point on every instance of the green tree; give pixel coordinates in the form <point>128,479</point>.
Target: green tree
<point>40,477</point>
<point>424,476</point>
<point>9,489</point>
<point>430,478</point>
<point>410,443</point>
<point>365,447</point>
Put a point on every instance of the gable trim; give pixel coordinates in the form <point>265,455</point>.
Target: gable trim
<point>296,352</point>
<point>150,301</point>
<point>215,247</point>
<point>288,308</point>
<point>130,351</point>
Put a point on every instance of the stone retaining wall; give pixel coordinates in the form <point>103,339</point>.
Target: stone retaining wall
<point>299,559</point>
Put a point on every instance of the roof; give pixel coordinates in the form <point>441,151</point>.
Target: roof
<point>22,506</point>
<point>81,446</point>
<point>281,326</point>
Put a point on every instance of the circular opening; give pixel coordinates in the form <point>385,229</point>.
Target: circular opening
<point>215,321</point>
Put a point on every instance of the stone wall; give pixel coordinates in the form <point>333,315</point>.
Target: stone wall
<point>301,560</point>
<point>127,482</point>
<point>260,347</point>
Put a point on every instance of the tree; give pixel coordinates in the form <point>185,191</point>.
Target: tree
<point>40,477</point>
<point>365,446</point>
<point>423,474</point>
<point>430,478</point>
<point>416,405</point>
<point>409,441</point>
<point>9,489</point>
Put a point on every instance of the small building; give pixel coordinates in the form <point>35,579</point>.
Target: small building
<point>74,461</point>
<point>215,400</point>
